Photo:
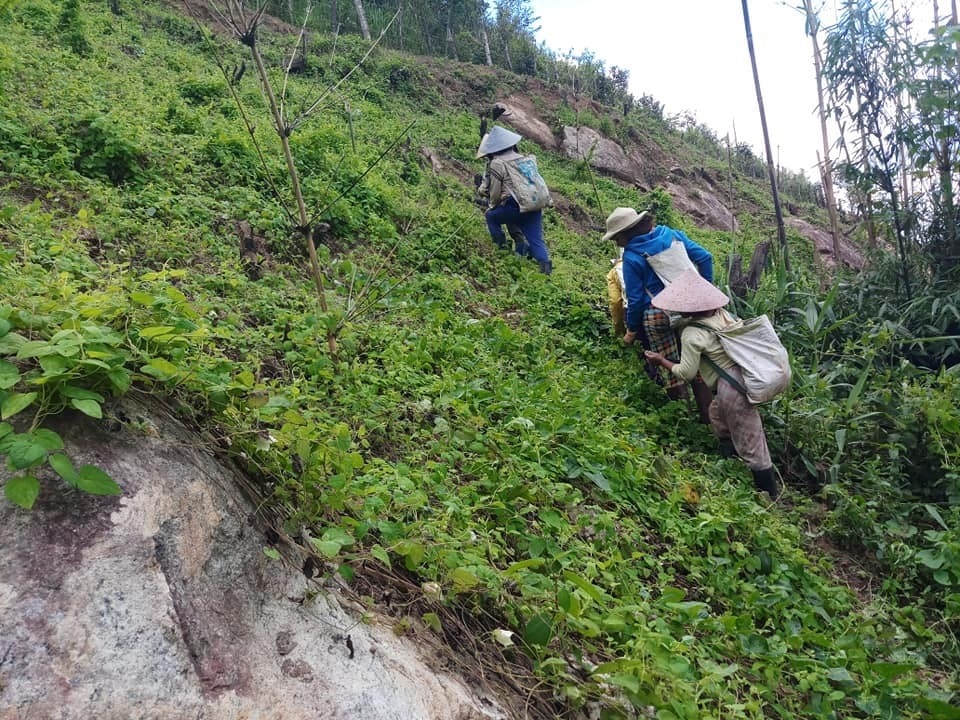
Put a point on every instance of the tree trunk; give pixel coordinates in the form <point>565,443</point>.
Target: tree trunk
<point>945,167</point>
<point>486,43</point>
<point>781,231</point>
<point>362,19</point>
<point>451,46</point>
<point>400,27</point>
<point>826,170</point>
<point>953,21</point>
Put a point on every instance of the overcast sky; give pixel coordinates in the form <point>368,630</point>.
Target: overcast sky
<point>692,55</point>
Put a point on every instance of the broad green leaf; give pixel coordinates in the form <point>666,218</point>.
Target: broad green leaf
<point>432,621</point>
<point>160,368</point>
<point>327,548</point>
<point>412,553</point>
<point>5,429</point>
<point>79,393</point>
<point>11,343</point>
<point>569,602</point>
<point>120,379</point>
<point>142,298</point>
<point>841,675</point>
<point>4,326</point>
<point>524,565</point>
<point>378,552</point>
<point>24,452</point>
<point>889,671</point>
<point>151,333</point>
<point>715,668</point>
<point>48,439</point>
<point>271,553</point>
<point>753,644</point>
<point>939,710</point>
<point>598,479</point>
<point>35,348</point>
<point>55,365</point>
<point>88,407</point>
<point>672,594</point>
<point>538,631</point>
<point>96,482</point>
<point>462,579</point>
<point>338,535</point>
<point>613,623</point>
<point>627,681</point>
<point>15,403</point>
<point>22,490</point>
<point>64,468</point>
<point>931,559</point>
<point>9,375</point>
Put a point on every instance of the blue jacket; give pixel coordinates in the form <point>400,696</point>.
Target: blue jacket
<point>639,277</point>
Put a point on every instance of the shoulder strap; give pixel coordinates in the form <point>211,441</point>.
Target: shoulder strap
<point>716,368</point>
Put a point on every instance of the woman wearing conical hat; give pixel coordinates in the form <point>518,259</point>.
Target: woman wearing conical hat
<point>499,146</point>
<point>734,419</point>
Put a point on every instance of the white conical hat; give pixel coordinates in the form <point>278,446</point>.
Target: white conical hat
<point>689,293</point>
<point>499,138</point>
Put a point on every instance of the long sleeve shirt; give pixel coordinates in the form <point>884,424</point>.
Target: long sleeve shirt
<point>697,343</point>
<point>641,282</point>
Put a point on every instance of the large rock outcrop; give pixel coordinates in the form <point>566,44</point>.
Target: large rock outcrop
<point>161,604</point>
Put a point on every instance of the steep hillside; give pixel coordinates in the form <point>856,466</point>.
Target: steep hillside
<point>455,438</point>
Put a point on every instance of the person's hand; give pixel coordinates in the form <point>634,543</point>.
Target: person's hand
<point>629,337</point>
<point>654,357</point>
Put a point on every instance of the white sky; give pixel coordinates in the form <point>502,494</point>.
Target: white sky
<point>691,55</point>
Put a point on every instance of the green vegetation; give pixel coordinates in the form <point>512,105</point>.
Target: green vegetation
<point>477,429</point>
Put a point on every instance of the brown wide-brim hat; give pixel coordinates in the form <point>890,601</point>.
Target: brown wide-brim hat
<point>689,293</point>
<point>622,219</point>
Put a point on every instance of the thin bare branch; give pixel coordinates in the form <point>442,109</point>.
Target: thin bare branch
<point>293,56</point>
<point>319,101</point>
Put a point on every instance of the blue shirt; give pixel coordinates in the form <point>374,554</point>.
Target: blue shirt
<point>639,277</point>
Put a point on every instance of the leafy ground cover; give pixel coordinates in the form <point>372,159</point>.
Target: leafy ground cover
<point>478,443</point>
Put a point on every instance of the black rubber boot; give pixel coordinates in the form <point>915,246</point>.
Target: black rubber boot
<point>546,267</point>
<point>726,448</point>
<point>766,481</point>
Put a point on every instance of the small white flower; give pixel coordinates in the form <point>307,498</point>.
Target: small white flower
<point>265,440</point>
<point>432,590</point>
<point>503,637</point>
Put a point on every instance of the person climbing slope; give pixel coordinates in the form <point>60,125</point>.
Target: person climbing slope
<point>482,182</point>
<point>735,421</point>
<point>517,193</point>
